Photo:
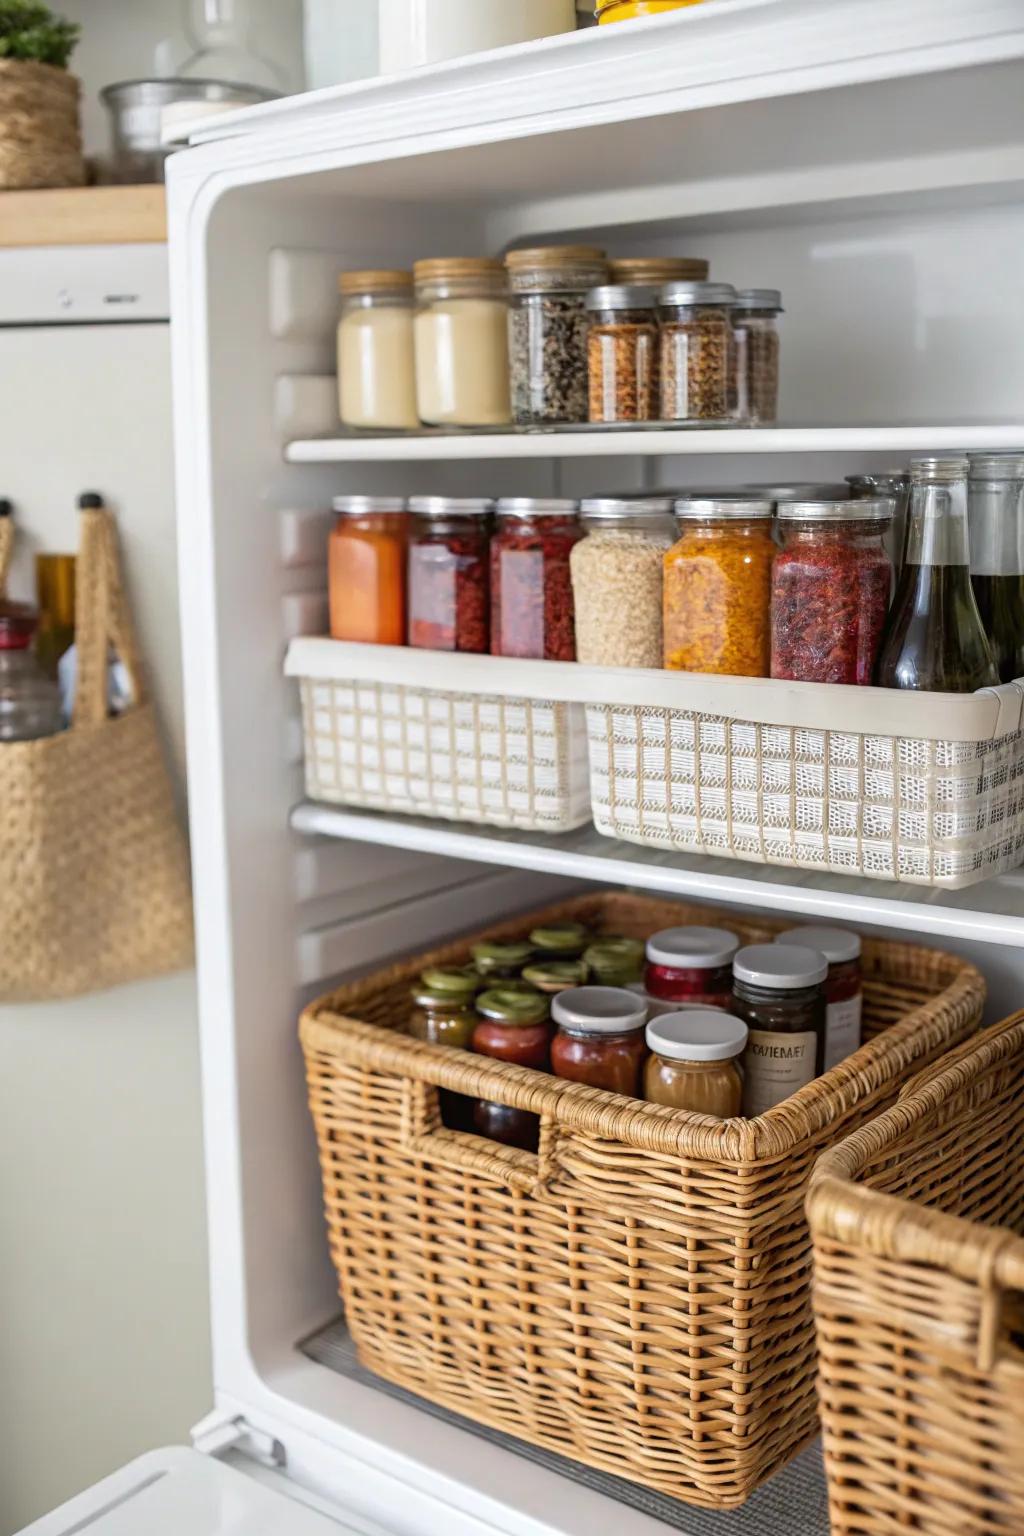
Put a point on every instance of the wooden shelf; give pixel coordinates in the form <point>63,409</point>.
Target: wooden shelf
<point>84,216</point>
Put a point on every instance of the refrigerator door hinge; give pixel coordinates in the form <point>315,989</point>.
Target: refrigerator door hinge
<point>220,1432</point>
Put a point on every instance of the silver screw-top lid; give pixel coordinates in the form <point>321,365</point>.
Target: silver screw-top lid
<point>536,506</point>
<point>878,509</point>
<point>623,509</point>
<point>349,506</point>
<point>621,296</point>
<point>697,1034</point>
<point>996,466</point>
<point>780,967</point>
<point>946,470</point>
<point>692,949</point>
<point>679,295</point>
<point>599,1010</point>
<point>712,509</point>
<point>449,506</point>
<point>759,298</point>
<point>836,944</point>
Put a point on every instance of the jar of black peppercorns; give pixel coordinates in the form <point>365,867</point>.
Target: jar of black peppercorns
<point>548,327</point>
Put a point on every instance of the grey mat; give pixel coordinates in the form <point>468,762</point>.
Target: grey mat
<point>792,1504</point>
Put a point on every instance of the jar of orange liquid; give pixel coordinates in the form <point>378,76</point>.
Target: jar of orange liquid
<point>366,570</point>
<point>629,10</point>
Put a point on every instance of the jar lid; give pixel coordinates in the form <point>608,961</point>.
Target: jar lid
<point>490,955</point>
<point>759,298</point>
<point>780,967</point>
<point>682,294</point>
<point>436,267</point>
<point>506,1005</point>
<point>879,509</point>
<point>445,506</point>
<point>620,296</point>
<point>697,1034</point>
<point>453,980</point>
<point>599,1010</point>
<point>536,506</point>
<point>891,482</point>
<point>808,490</point>
<point>571,938</point>
<point>692,949</point>
<point>838,945</point>
<point>996,466</point>
<point>657,270</point>
<point>351,506</point>
<point>621,509</point>
<point>555,256</point>
<point>381,281</point>
<point>615,954</point>
<point>712,509</point>
<point>18,623</point>
<point>555,975</point>
<point>939,471</point>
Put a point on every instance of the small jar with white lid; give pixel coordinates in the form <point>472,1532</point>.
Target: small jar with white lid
<point>695,1062</point>
<point>600,1039</point>
<point>376,367</point>
<point>779,992</point>
<point>461,333</point>
<point>755,321</point>
<point>617,579</point>
<point>691,966</point>
<point>844,985</point>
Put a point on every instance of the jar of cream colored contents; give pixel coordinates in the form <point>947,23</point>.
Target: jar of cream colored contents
<point>547,328</point>
<point>844,985</point>
<point>461,334</point>
<point>600,1039</point>
<point>756,334</point>
<point>514,1026</point>
<point>376,366</point>
<point>694,1062</point>
<point>622,354</point>
<point>691,965</point>
<point>698,352</point>
<point>444,1014</point>
<point>366,570</point>
<point>718,581</point>
<point>779,992</point>
<point>617,580</point>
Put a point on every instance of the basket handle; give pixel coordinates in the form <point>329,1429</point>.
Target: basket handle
<point>424,1136</point>
<point>102,616</point>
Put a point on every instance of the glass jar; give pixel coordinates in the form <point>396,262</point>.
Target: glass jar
<point>892,485</point>
<point>461,343</point>
<point>630,10</point>
<point>30,705</point>
<point>55,590</point>
<point>698,352</point>
<point>935,639</point>
<point>600,1039</point>
<point>691,965</point>
<point>552,976</point>
<point>515,1027</point>
<point>616,962</point>
<point>831,582</point>
<point>444,1014</point>
<point>547,329</point>
<point>694,1062</point>
<point>756,334</point>
<point>560,941</point>
<point>531,581</point>
<point>995,519</point>
<point>617,580</point>
<point>366,569</point>
<point>376,364</point>
<point>500,962</point>
<point>622,354</point>
<point>778,991</point>
<point>449,579</point>
<point>844,985</point>
<point>655,271</point>
<point>718,588</point>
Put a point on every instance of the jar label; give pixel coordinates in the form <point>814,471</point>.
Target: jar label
<point>776,1065</point>
<point>842,1030</point>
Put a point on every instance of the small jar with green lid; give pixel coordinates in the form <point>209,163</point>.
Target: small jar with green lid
<point>560,941</point>
<point>444,1015</point>
<point>514,1026</point>
<point>551,976</point>
<point>613,961</point>
<point>497,962</point>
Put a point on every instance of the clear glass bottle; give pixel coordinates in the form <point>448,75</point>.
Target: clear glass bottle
<point>366,560</point>
<point>779,993</point>
<point>622,354</point>
<point>844,985</point>
<point>618,579</point>
<point>449,579</point>
<point>461,343</point>
<point>756,335</point>
<point>995,517</point>
<point>698,352</point>
<point>547,331</point>
<point>30,705</point>
<point>532,611</point>
<point>935,639</point>
<point>600,1039</point>
<point>694,1062</point>
<point>718,588</point>
<point>376,362</point>
<point>891,485</point>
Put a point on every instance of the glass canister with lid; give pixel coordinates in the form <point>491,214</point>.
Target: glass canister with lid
<point>516,1027</point>
<point>831,582</point>
<point>461,337</point>
<point>698,352</point>
<point>779,993</point>
<point>617,579</point>
<point>600,1039</point>
<point>718,587</point>
<point>844,985</point>
<point>691,965</point>
<point>376,364</point>
<point>449,579</point>
<point>548,327</point>
<point>756,334</point>
<point>891,485</point>
<point>622,354</point>
<point>694,1062</point>
<point>366,569</point>
<point>531,582</point>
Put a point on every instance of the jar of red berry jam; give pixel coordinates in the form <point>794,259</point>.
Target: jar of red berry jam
<point>448,575</point>
<point>691,965</point>
<point>514,1026</point>
<point>532,611</point>
<point>600,1039</point>
<point>843,985</point>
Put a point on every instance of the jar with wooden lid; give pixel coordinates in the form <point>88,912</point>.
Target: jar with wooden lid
<point>366,570</point>
<point>844,985</point>
<point>695,1062</point>
<point>548,327</point>
<point>779,993</point>
<point>617,579</point>
<point>376,363</point>
<point>600,1039</point>
<point>514,1026</point>
<point>691,965</point>
<point>622,354</point>
<point>655,271</point>
<point>461,342</point>
<point>698,352</point>
<point>444,1014</point>
<point>718,588</point>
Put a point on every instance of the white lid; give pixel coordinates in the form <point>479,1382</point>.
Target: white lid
<point>697,1034</point>
<point>692,949</point>
<point>836,944</point>
<point>598,1010</point>
<point>781,967</point>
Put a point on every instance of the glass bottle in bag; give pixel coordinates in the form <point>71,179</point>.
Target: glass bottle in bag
<point>995,516</point>
<point>935,639</point>
<point>30,704</point>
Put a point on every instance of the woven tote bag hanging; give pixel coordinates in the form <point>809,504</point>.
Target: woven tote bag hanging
<point>94,882</point>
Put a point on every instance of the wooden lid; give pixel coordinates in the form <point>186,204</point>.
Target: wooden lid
<point>647,270</point>
<point>556,256</point>
<point>378,281</point>
<point>456,266</point>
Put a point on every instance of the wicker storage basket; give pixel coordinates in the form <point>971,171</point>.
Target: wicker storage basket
<point>435,734</point>
<point>636,1296</point>
<point>40,138</point>
<point>918,1228</point>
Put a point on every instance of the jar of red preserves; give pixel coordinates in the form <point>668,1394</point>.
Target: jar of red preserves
<point>515,1027</point>
<point>600,1039</point>
<point>448,578</point>
<point>532,611</point>
<point>691,965</point>
<point>843,985</point>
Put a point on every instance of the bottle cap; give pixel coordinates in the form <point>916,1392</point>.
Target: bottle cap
<point>780,967</point>
<point>599,1010</point>
<point>838,945</point>
<point>493,957</point>
<point>692,949</point>
<point>561,939</point>
<point>697,1034</point>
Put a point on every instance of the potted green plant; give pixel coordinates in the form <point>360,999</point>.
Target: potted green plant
<point>40,136</point>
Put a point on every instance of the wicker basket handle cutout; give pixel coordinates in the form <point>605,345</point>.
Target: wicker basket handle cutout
<point>102,619</point>
<point>425,1138</point>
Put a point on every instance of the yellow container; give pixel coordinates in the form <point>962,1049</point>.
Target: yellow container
<point>629,10</point>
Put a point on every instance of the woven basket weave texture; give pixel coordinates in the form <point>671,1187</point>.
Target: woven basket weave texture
<point>638,1295</point>
<point>40,137</point>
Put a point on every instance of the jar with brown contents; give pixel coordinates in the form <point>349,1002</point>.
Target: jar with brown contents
<point>694,1062</point>
<point>756,334</point>
<point>718,588</point>
<point>622,354</point>
<point>698,352</point>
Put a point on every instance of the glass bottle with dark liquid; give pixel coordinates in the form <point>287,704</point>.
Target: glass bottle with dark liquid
<point>995,515</point>
<point>935,639</point>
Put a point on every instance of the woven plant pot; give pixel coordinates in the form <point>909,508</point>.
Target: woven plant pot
<point>40,135</point>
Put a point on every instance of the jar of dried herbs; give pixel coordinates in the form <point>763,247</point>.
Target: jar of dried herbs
<point>698,352</point>
<point>617,580</point>
<point>531,584</point>
<point>622,354</point>
<point>756,334</point>
<point>718,588</point>
<point>547,329</point>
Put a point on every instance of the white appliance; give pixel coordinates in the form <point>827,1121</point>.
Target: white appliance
<point>867,157</point>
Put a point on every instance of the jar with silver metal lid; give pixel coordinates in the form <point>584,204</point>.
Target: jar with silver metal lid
<point>622,354</point>
<point>756,334</point>
<point>449,579</point>
<point>617,579</point>
<point>366,559</point>
<point>531,583</point>
<point>718,587</point>
<point>698,352</point>
<point>844,986</point>
<point>779,993</point>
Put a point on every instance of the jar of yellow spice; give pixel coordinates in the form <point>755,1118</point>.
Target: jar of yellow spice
<point>718,588</point>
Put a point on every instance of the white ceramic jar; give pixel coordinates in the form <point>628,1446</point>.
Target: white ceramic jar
<point>376,367</point>
<point>416,32</point>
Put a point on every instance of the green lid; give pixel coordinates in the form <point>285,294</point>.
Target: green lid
<point>506,1006</point>
<point>514,984</point>
<point>454,980</point>
<point>493,957</point>
<point>615,960</point>
<point>556,975</point>
<point>568,939</point>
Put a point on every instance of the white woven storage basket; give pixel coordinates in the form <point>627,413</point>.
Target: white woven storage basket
<point>435,734</point>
